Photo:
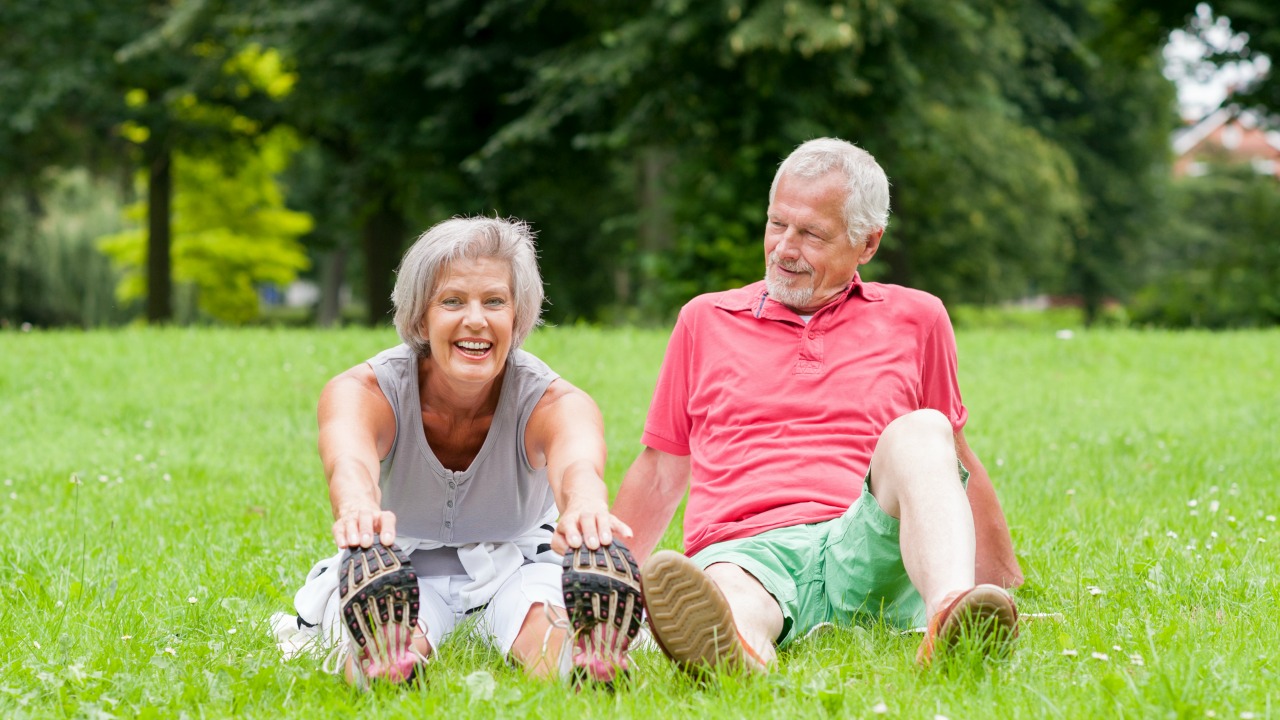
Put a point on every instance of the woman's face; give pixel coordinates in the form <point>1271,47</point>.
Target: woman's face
<point>470,320</point>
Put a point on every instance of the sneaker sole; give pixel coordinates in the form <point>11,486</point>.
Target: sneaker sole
<point>377,587</point>
<point>689,617</point>
<point>602,587</point>
<point>986,616</point>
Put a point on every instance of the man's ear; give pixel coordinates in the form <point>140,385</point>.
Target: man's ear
<point>870,246</point>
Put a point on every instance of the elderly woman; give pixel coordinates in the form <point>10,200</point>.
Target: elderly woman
<point>456,462</point>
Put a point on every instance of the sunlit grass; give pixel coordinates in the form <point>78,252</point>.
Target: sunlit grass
<point>160,496</point>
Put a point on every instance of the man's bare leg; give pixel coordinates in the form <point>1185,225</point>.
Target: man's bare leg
<point>755,611</point>
<point>914,478</point>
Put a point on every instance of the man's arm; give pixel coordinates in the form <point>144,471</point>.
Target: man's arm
<point>996,562</point>
<point>650,493</point>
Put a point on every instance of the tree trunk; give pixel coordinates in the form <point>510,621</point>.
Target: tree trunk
<point>333,272</point>
<point>159,271</point>
<point>383,233</point>
<point>656,227</point>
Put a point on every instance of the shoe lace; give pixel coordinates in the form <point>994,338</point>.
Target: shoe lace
<point>555,622</point>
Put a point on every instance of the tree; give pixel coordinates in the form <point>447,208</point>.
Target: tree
<point>77,78</point>
<point>1219,266</point>
<point>231,230</point>
<point>724,90</point>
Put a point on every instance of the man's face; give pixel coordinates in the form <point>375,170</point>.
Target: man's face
<point>808,257</point>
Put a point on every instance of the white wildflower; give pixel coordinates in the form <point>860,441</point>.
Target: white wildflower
<point>880,708</point>
<point>1070,653</point>
<point>1101,656</point>
<point>192,600</point>
<point>1136,659</point>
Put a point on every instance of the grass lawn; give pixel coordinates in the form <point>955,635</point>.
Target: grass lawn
<point>161,496</point>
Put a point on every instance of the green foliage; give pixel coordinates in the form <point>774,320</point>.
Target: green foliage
<point>1219,266</point>
<point>1136,475</point>
<point>231,230</point>
<point>51,273</point>
<point>988,199</point>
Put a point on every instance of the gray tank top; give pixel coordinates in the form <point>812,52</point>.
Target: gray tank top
<point>499,497</point>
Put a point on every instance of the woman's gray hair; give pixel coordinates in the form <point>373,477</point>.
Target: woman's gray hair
<point>471,239</point>
<point>866,203</point>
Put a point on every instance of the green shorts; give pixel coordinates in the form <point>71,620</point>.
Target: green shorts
<point>840,571</point>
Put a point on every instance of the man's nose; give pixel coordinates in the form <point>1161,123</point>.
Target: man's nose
<point>788,245</point>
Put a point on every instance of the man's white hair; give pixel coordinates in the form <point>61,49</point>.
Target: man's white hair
<point>866,203</point>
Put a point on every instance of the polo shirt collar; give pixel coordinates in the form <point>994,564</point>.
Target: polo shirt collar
<point>754,298</point>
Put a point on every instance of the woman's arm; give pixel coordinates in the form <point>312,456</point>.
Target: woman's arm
<point>357,427</point>
<point>566,432</point>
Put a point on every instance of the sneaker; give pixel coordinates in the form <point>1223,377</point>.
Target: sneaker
<point>602,597</point>
<point>378,595</point>
<point>984,615</point>
<point>690,618</point>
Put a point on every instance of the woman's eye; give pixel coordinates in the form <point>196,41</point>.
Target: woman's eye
<point>495,302</point>
<point>451,302</point>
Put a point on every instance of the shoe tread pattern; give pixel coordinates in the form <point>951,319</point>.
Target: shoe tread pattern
<point>377,586</point>
<point>689,616</point>
<point>603,586</point>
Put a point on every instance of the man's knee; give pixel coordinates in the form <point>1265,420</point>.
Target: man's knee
<point>919,426</point>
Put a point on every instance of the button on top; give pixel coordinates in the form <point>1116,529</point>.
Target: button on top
<point>451,485</point>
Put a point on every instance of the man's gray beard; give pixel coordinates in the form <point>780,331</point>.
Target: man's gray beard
<point>791,297</point>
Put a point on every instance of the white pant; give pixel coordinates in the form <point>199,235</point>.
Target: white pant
<point>440,607</point>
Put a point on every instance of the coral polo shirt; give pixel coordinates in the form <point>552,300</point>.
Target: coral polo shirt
<point>780,417</point>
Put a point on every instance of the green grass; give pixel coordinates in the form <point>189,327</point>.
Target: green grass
<point>1138,471</point>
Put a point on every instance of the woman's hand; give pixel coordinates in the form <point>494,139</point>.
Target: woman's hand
<point>357,524</point>
<point>587,522</point>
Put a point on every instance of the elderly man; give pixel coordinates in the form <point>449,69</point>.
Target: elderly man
<point>816,422</point>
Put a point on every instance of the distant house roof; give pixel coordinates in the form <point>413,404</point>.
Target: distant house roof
<point>1228,133</point>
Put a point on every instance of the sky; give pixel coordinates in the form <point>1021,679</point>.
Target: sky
<point>1201,86</point>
